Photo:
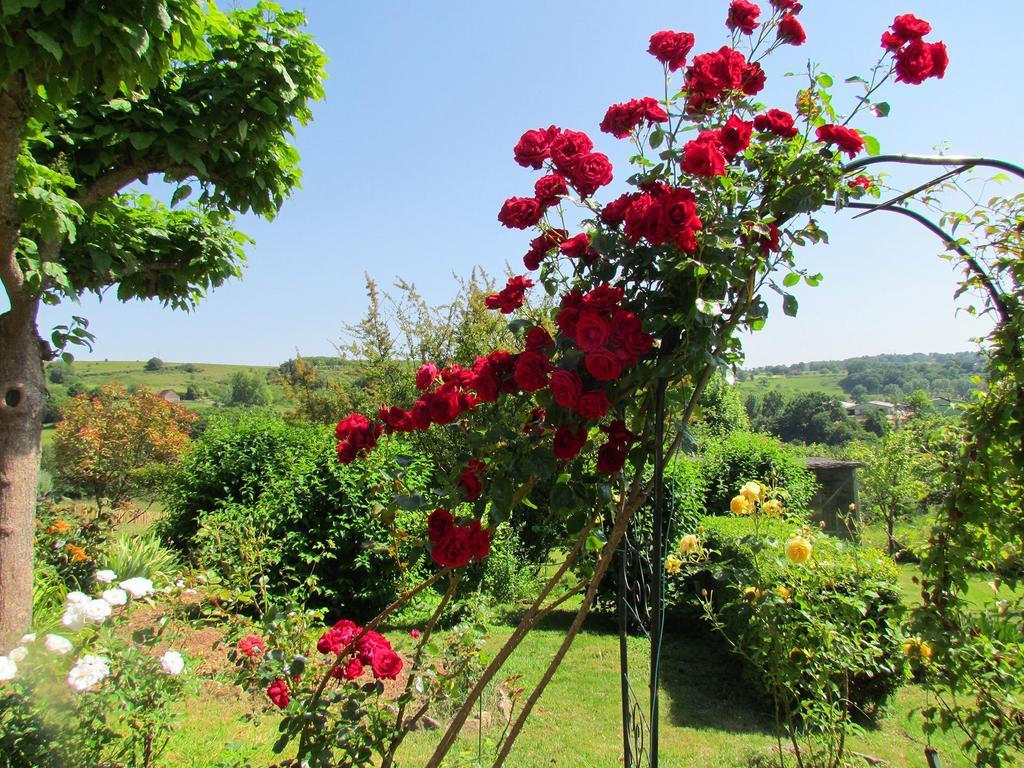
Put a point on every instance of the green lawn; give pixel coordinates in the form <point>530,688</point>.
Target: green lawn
<point>708,716</point>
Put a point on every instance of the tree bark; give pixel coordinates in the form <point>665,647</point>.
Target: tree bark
<point>22,402</point>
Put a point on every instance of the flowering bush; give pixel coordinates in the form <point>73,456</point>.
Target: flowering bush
<point>70,537</point>
<point>88,696</point>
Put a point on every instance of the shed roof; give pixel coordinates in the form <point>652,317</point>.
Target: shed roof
<point>823,462</point>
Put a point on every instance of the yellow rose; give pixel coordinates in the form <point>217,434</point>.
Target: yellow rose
<point>783,592</point>
<point>751,492</point>
<point>798,550</point>
<point>673,564</point>
<point>689,544</point>
<point>772,507</point>
<point>916,648</point>
<point>739,505</point>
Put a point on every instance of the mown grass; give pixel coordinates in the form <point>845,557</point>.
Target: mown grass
<point>709,717</point>
<point>791,385</point>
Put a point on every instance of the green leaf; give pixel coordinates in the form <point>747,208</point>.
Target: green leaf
<point>855,79</point>
<point>881,109</point>
<point>120,105</point>
<point>46,42</point>
<point>657,136</point>
<point>142,141</point>
<point>825,80</point>
<point>791,279</point>
<point>871,145</point>
<point>790,305</point>
<point>180,194</point>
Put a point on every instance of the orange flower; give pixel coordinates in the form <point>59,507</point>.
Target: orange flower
<point>59,526</point>
<point>77,553</point>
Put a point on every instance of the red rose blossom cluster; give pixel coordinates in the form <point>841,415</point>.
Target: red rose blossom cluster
<point>370,649</point>
<point>708,153</point>
<point>511,297</point>
<point>916,60</point>
<point>453,545</point>
<point>661,214</point>
<point>611,456</point>
<point>252,646</point>
<point>621,119</point>
<point>776,121</point>
<point>572,159</point>
<point>541,245</point>
<point>713,74</point>
<point>356,435</point>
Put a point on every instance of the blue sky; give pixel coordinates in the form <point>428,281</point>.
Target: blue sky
<point>410,157</point>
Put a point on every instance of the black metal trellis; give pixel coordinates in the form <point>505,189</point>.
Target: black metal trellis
<point>641,605</point>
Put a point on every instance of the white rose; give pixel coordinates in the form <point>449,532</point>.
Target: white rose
<point>105,577</point>
<point>57,644</point>
<point>17,655</point>
<point>87,672</point>
<point>73,618</point>
<point>76,598</point>
<point>8,669</point>
<point>96,611</point>
<point>172,663</point>
<point>115,596</point>
<point>137,587</point>
<point>29,638</point>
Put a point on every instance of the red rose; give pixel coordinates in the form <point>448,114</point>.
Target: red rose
<point>386,665</point>
<point>847,140</point>
<point>603,297</point>
<point>395,419</point>
<point>439,524</point>
<point>454,550</point>
<point>414,634</point>
<point>617,432</point>
<point>734,136</point>
<point>592,330</point>
<point>742,16</point>
<point>566,387</point>
<point>614,212</point>
<point>679,219</point>
<point>862,182</point>
<point>891,42</point>
<point>611,457</point>
<point>540,246</point>
<point>252,646</point>
<point>908,27</point>
<point>778,122</point>
<point>576,246</point>
<point>567,147</point>
<point>635,341</point>
<point>536,421</point>
<point>753,79</point>
<point>520,212</point>
<point>425,375</point>
<point>420,415</point>
<point>549,189</point>
<point>445,405</point>
<point>917,61</point>
<point>602,365</point>
<point>353,669</point>
<point>593,405</point>
<point>277,692</point>
<point>479,540</point>
<point>534,147</point>
<point>569,442</point>
<point>538,340</point>
<point>703,156</point>
<point>791,31</point>
<point>470,482</point>
<point>711,74</point>
<point>370,644</point>
<point>511,297</point>
<point>671,48</point>
<point>588,172</point>
<point>531,371</point>
<point>356,435</point>
<point>786,5</point>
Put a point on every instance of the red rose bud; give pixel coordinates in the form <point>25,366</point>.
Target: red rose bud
<point>847,140</point>
<point>569,442</point>
<point>742,16</point>
<point>414,634</point>
<point>671,48</point>
<point>791,31</point>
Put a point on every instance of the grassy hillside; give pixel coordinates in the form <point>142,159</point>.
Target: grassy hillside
<point>791,385</point>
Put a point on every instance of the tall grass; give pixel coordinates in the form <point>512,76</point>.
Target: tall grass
<point>141,554</point>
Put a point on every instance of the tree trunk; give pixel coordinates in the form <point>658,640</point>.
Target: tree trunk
<point>22,403</point>
<point>890,537</point>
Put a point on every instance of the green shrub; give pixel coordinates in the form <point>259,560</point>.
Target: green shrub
<point>743,456</point>
<point>140,555</point>
<point>259,496</point>
<point>844,609</point>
